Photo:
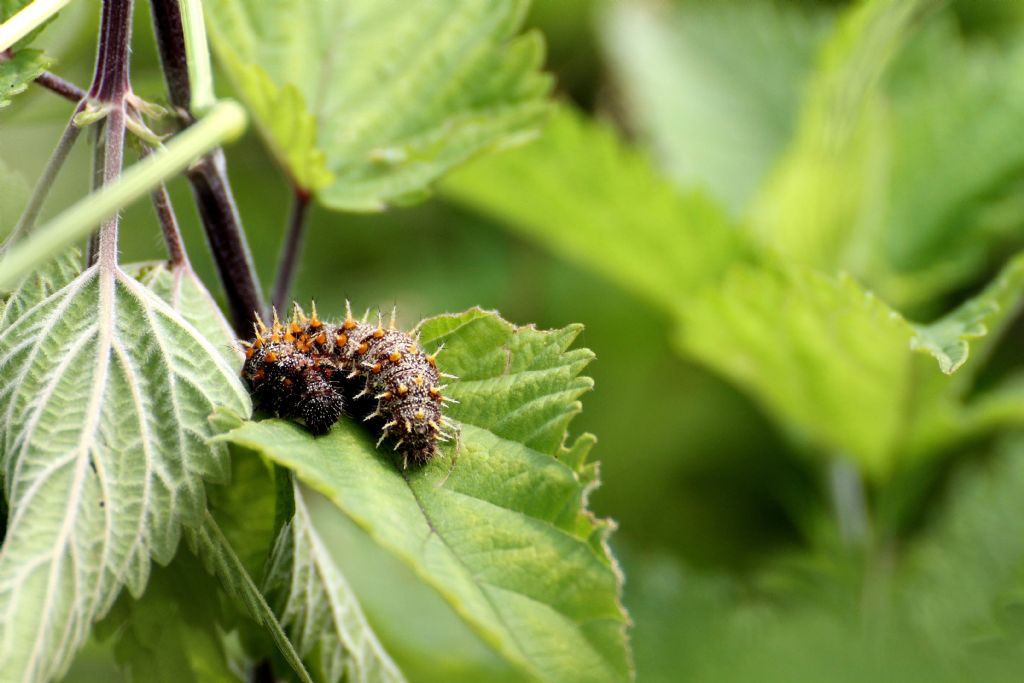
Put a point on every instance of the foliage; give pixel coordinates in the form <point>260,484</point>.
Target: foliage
<point>517,556</point>
<point>366,103</point>
<point>792,229</point>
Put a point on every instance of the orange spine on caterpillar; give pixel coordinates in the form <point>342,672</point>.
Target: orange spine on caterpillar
<point>291,371</point>
<point>402,380</point>
<point>310,369</point>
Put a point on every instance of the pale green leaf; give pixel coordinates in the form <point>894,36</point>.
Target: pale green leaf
<point>713,86</point>
<point>367,102</point>
<point>41,283</point>
<point>210,545</point>
<point>952,203</point>
<point>17,72</point>
<point>582,193</point>
<point>319,609</point>
<point>820,195</point>
<point>184,292</point>
<point>499,529</point>
<point>168,635</point>
<point>829,360</point>
<point>949,338</point>
<point>961,581</point>
<point>105,396</point>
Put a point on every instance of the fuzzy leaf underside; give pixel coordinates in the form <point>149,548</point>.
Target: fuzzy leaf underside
<point>105,398</point>
<point>367,102</point>
<point>503,535</point>
<point>319,609</point>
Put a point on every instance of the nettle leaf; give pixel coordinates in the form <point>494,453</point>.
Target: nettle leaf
<point>594,200</point>
<point>831,361</point>
<point>105,396</point>
<point>167,635</point>
<point>713,87</point>
<point>319,608</point>
<point>818,199</point>
<point>212,547</point>
<point>502,534</point>
<point>956,152</point>
<point>17,72</point>
<point>182,289</point>
<point>366,102</point>
<point>43,282</point>
<point>948,338</point>
<point>960,583</point>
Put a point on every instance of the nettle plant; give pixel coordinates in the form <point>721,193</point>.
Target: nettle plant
<point>127,432</point>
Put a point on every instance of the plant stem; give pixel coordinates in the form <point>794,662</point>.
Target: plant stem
<point>292,248</point>
<point>110,80</point>
<point>208,177</point>
<point>224,122</point>
<point>111,85</point>
<point>168,222</point>
<point>113,161</point>
<point>58,85</point>
<point>27,20</point>
<point>45,182</point>
<point>99,150</point>
<point>848,499</point>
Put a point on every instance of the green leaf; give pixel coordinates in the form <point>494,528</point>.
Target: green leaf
<point>41,283</point>
<point>181,288</point>
<point>821,193</point>
<point>367,102</point>
<point>960,584</point>
<point>167,635</point>
<point>105,396</point>
<point>714,87</point>
<point>829,360</point>
<point>983,316</point>
<point>956,156</point>
<point>17,72</point>
<point>210,545</point>
<point>499,529</point>
<point>593,200</point>
<point>319,609</point>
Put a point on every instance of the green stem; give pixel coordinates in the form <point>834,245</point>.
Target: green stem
<point>27,20</point>
<point>197,53</point>
<point>225,122</point>
<point>42,188</point>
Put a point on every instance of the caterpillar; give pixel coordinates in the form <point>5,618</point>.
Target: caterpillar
<point>315,371</point>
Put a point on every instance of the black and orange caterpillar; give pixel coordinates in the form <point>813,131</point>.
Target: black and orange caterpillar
<point>315,371</point>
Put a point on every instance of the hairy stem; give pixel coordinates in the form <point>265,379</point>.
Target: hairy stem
<point>209,180</point>
<point>111,86</point>
<point>99,153</point>
<point>292,248</point>
<point>168,222</point>
<point>226,121</point>
<point>113,161</point>
<point>45,182</point>
<point>59,86</point>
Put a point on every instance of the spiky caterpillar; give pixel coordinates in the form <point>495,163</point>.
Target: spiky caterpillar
<point>290,372</point>
<point>382,367</point>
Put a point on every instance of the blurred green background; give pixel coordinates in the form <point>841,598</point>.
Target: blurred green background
<point>736,565</point>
